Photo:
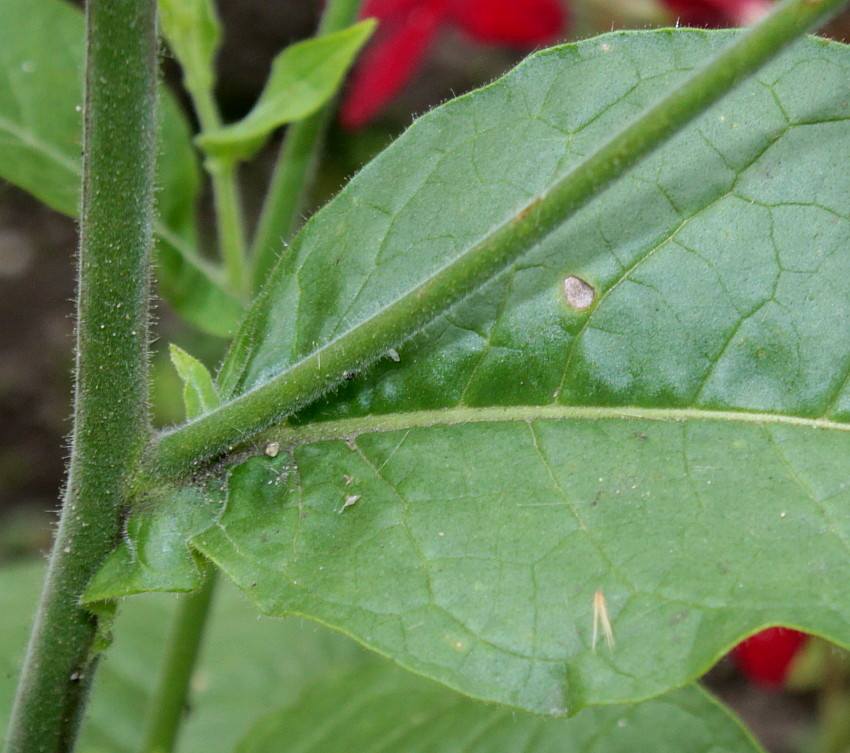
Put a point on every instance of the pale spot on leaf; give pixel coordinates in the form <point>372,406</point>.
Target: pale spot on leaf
<point>578,294</point>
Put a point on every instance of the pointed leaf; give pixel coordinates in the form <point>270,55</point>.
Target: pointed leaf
<point>303,77</point>
<point>41,96</point>
<point>199,393</point>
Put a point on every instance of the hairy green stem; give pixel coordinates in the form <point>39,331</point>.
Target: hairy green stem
<point>231,224</point>
<point>296,164</point>
<point>187,447</point>
<point>110,404</point>
<point>169,701</point>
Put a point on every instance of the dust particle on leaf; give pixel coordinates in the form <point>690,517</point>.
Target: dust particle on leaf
<point>578,294</point>
<point>272,449</point>
<point>350,500</point>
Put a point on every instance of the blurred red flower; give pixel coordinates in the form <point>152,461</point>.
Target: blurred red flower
<point>718,13</point>
<point>766,657</point>
<point>407,29</point>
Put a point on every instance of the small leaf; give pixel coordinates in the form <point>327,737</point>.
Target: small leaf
<point>303,77</point>
<point>199,393</point>
<point>193,32</point>
<point>380,707</point>
<point>41,97</point>
<point>154,554</point>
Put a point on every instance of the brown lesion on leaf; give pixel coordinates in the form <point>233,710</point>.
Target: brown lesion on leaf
<point>525,211</point>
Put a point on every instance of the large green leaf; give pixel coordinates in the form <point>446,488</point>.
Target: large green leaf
<point>41,89</point>
<point>333,695</point>
<point>679,445</point>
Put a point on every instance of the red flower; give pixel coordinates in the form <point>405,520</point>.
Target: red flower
<point>408,28</point>
<point>766,656</point>
<point>717,13</point>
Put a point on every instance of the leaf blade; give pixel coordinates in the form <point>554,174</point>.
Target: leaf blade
<point>303,78</point>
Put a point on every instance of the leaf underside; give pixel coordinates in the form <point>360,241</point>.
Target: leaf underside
<point>678,445</point>
<point>274,682</point>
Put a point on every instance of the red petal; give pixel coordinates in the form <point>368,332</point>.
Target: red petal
<point>521,23</point>
<point>766,656</point>
<point>386,9</point>
<point>714,13</point>
<point>389,62</point>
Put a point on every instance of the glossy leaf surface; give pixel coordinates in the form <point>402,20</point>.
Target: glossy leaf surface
<point>41,90</point>
<point>303,77</point>
<point>668,428</point>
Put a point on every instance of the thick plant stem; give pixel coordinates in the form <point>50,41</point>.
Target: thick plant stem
<point>184,645</point>
<point>110,404</point>
<point>184,449</point>
<point>296,163</point>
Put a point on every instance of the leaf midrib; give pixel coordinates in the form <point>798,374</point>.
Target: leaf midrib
<point>348,428</point>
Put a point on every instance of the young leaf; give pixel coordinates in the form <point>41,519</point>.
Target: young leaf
<point>380,707</point>
<point>193,32</point>
<point>678,443</point>
<point>199,393</point>
<point>41,90</point>
<point>303,77</point>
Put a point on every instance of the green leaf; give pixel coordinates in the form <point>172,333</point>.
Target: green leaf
<point>199,393</point>
<point>41,95</point>
<point>193,32</point>
<point>380,707</point>
<point>250,669</point>
<point>303,77</point>
<point>154,554</point>
<point>679,444</point>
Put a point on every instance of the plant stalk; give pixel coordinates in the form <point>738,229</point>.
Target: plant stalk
<point>185,449</point>
<point>110,402</point>
<point>230,222</point>
<point>168,704</point>
<point>296,164</point>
